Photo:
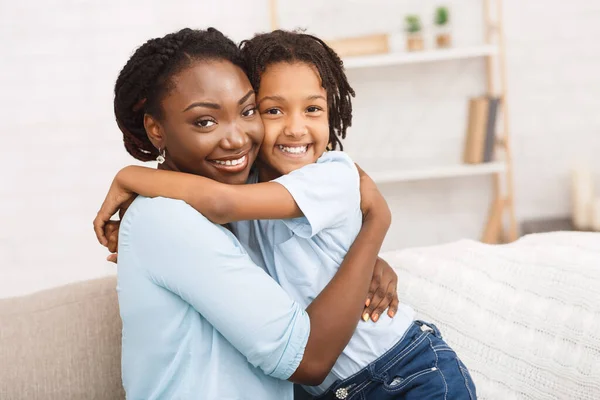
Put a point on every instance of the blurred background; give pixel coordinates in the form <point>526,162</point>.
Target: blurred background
<point>413,114</point>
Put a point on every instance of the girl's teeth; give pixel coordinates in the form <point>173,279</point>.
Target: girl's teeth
<point>294,150</point>
<point>231,162</point>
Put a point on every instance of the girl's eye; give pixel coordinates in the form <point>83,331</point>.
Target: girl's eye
<point>273,111</point>
<point>249,112</point>
<point>313,109</point>
<point>205,123</point>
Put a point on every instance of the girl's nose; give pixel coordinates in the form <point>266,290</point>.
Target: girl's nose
<point>296,127</point>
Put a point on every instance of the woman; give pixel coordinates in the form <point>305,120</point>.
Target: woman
<point>200,319</point>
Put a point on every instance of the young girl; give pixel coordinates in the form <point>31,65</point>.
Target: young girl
<point>303,211</point>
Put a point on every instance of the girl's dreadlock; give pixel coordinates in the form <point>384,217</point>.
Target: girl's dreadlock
<point>283,46</point>
<point>146,78</point>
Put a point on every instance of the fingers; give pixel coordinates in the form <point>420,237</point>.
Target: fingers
<point>112,258</point>
<point>375,282</point>
<point>382,293</point>
<point>369,312</point>
<point>111,231</point>
<point>385,302</point>
<point>99,223</point>
<point>393,308</point>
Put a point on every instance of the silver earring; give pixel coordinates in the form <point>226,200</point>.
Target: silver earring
<point>161,156</point>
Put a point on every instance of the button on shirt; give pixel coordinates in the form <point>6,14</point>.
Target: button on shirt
<point>303,254</point>
<point>200,319</point>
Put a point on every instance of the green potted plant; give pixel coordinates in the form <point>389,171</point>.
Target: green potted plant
<point>443,38</point>
<point>414,34</point>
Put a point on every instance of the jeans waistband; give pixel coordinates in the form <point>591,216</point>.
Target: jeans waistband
<point>413,336</point>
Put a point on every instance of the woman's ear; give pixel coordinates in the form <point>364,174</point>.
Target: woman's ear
<point>154,131</point>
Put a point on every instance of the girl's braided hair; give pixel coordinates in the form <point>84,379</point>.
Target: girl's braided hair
<point>284,46</point>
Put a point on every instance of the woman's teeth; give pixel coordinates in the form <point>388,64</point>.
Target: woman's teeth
<point>294,150</point>
<point>231,162</point>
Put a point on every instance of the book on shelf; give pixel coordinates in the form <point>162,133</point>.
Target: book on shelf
<point>481,129</point>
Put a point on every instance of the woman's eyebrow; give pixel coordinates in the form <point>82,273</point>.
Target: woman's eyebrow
<point>246,96</point>
<point>214,106</point>
<point>316,96</point>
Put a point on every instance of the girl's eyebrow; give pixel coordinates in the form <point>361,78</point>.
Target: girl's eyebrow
<point>274,98</point>
<point>280,98</point>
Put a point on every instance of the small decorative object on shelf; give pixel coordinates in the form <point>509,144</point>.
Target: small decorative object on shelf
<point>360,45</point>
<point>443,37</point>
<point>414,34</point>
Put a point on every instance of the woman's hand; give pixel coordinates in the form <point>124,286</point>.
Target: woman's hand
<point>382,292</point>
<point>117,199</point>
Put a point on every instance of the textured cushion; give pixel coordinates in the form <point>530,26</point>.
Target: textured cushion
<point>62,343</point>
<point>524,317</point>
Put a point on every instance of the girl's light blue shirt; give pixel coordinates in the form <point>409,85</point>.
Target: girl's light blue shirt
<point>303,254</point>
<point>200,319</point>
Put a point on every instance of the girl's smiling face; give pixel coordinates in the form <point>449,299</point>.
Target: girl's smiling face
<point>293,105</point>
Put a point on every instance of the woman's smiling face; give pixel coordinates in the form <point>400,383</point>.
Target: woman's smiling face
<point>209,124</point>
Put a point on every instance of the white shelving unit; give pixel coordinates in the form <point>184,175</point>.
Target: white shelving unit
<point>393,172</point>
<point>398,173</point>
<point>501,170</point>
<point>400,58</point>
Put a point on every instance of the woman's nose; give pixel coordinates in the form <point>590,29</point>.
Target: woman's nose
<point>236,138</point>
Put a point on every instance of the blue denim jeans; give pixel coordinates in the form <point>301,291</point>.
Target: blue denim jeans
<point>421,366</point>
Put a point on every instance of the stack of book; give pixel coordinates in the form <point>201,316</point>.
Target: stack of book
<point>481,129</point>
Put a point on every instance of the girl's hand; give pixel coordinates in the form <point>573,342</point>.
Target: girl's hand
<point>382,293</point>
<point>117,199</point>
<point>111,232</point>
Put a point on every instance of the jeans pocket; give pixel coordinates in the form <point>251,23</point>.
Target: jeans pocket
<point>468,379</point>
<point>397,383</point>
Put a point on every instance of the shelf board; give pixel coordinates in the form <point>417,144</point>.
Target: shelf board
<point>396,173</point>
<point>382,60</point>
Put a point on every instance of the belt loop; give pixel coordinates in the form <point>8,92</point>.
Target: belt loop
<point>429,327</point>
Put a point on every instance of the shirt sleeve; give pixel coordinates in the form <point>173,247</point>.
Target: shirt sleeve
<point>205,265</point>
<point>326,192</point>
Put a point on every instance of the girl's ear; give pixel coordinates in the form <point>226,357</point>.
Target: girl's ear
<point>155,132</point>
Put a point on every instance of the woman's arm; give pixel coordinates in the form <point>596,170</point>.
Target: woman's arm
<point>219,202</point>
<point>335,313</point>
<point>209,272</point>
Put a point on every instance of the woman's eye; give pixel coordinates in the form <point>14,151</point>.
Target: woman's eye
<point>313,109</point>
<point>273,111</point>
<point>205,123</point>
<point>249,112</point>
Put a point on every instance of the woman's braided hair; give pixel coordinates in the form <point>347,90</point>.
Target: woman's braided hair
<point>146,79</point>
<point>284,46</point>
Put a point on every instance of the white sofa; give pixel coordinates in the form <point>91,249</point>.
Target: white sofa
<point>524,317</point>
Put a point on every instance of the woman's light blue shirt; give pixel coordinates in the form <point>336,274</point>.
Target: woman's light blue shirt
<point>200,319</point>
